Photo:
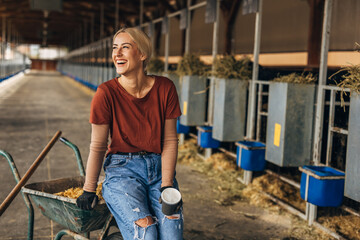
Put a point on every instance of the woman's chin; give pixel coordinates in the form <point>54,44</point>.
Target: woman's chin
<point>120,71</point>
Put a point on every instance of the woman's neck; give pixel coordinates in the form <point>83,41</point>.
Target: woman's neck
<point>137,85</point>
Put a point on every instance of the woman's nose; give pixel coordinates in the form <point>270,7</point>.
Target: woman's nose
<point>118,52</point>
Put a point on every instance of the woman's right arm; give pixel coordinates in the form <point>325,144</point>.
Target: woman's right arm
<point>98,147</point>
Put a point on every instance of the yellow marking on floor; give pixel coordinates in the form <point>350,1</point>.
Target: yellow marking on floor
<point>80,86</point>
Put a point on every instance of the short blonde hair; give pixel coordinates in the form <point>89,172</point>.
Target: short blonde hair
<point>141,39</point>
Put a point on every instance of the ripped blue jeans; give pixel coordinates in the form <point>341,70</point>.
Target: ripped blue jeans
<point>131,190</point>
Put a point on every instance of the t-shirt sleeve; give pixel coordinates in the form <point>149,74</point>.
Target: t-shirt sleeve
<point>172,106</point>
<point>100,111</point>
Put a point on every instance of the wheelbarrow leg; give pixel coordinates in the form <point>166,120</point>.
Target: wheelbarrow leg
<point>27,201</point>
<point>105,229</point>
<point>76,236</point>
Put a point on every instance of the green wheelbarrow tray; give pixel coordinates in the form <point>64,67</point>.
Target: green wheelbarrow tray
<point>63,210</point>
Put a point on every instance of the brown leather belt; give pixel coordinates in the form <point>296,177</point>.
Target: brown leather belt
<point>134,153</point>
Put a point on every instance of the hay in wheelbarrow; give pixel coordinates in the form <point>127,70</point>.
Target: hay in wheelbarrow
<point>63,210</point>
<point>75,192</point>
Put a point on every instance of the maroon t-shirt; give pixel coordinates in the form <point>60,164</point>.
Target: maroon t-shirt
<point>136,124</point>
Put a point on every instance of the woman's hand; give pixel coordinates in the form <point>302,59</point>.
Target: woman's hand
<point>87,200</point>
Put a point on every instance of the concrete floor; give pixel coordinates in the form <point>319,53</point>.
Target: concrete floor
<point>35,106</point>
<point>42,104</point>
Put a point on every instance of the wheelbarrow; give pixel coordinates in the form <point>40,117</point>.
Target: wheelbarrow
<point>63,210</point>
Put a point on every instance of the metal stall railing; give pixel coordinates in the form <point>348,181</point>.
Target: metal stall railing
<point>311,210</point>
<point>11,62</point>
<point>91,64</point>
<point>333,128</point>
<point>331,92</point>
<point>251,116</point>
<point>331,102</point>
<point>263,92</point>
<point>258,94</point>
<point>99,51</point>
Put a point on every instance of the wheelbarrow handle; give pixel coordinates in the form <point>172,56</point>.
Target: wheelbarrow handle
<point>77,154</point>
<point>5,204</point>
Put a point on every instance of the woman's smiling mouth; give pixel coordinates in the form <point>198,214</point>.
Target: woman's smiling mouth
<point>120,62</point>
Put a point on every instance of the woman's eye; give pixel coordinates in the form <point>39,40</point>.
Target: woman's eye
<point>125,46</point>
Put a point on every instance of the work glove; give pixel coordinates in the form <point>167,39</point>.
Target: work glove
<point>87,200</point>
<point>163,188</point>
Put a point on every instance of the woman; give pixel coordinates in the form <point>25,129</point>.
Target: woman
<point>139,111</point>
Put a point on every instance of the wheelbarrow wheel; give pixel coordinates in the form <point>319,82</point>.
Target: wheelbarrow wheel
<point>114,236</point>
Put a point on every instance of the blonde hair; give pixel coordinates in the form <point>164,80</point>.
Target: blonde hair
<point>141,39</point>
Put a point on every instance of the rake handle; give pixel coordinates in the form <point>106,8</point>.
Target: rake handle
<point>5,204</point>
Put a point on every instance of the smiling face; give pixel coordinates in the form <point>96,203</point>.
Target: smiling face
<point>126,56</point>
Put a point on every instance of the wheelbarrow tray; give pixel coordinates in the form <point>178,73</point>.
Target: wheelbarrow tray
<point>63,210</point>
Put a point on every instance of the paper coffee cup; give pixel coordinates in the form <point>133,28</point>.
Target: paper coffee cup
<point>171,199</point>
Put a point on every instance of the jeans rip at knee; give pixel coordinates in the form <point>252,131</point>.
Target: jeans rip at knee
<point>140,233</point>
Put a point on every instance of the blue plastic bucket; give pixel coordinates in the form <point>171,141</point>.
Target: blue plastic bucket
<point>322,186</point>
<point>181,128</point>
<point>205,139</point>
<point>250,155</point>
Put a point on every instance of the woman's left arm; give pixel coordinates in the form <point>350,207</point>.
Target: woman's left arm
<point>169,153</point>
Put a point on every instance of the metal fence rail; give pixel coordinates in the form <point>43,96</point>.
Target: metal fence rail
<point>11,61</point>
<point>93,65</point>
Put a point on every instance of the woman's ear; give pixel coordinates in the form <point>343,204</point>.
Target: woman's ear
<point>143,57</point>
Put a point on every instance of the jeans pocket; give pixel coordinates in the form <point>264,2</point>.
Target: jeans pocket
<point>115,160</point>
